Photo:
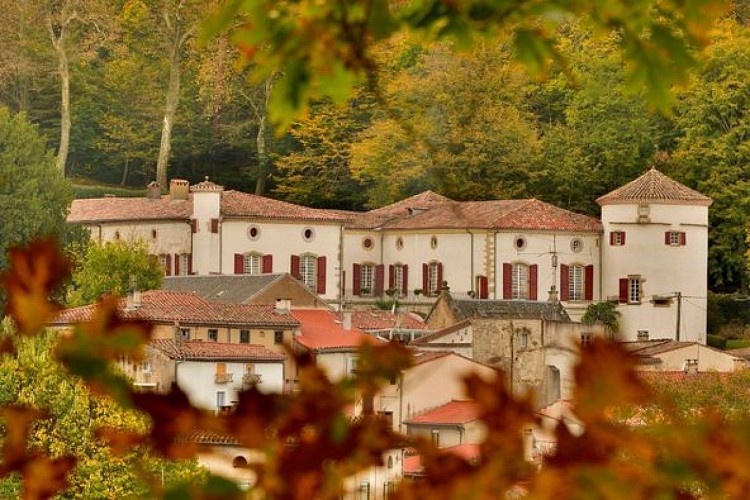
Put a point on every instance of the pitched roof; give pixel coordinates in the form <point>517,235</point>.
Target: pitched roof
<point>467,451</point>
<point>112,209</point>
<point>322,331</point>
<point>653,186</point>
<point>159,306</point>
<point>508,309</point>
<point>239,204</point>
<point>427,339</point>
<point>653,347</point>
<point>229,289</point>
<point>386,320</point>
<point>197,351</point>
<point>455,412</point>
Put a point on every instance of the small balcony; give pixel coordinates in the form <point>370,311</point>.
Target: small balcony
<point>223,378</point>
<point>251,379</point>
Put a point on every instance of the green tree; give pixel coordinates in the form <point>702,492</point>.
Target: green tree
<point>602,313</point>
<point>111,268</point>
<point>34,198</point>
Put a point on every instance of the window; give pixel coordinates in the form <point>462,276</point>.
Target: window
<point>552,389</point>
<point>367,279</point>
<point>435,435</point>
<point>308,270</point>
<point>576,245</point>
<point>399,243</point>
<point>674,238</point>
<point>520,281</point>
<point>585,339</point>
<point>146,367</point>
<point>278,337</point>
<point>244,336</point>
<point>251,263</point>
<point>253,233</point>
<point>634,290</point>
<point>308,234</point>
<point>433,278</point>
<point>575,282</point>
<point>221,399</point>
<point>184,264</point>
<point>184,334</point>
<point>364,490</point>
<point>617,238</point>
<point>352,362</point>
<point>523,340</point>
<point>433,242</point>
<point>519,243</point>
<point>164,261</point>
<point>213,334</point>
<point>368,243</point>
<point>398,280</point>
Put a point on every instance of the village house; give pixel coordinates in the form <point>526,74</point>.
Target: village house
<point>651,231</point>
<point>689,357</point>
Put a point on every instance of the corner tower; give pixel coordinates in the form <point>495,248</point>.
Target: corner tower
<point>655,258</point>
<point>206,227</point>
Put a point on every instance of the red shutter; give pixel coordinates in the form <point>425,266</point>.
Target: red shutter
<point>391,276</point>
<point>507,281</point>
<point>611,237</point>
<point>379,279</point>
<point>321,285</point>
<point>439,276</point>
<point>239,263</point>
<point>168,269</point>
<point>294,267</point>
<point>190,263</point>
<point>193,225</point>
<point>588,283</point>
<point>425,279</point>
<point>623,290</point>
<point>268,263</point>
<point>176,264</point>
<point>622,238</point>
<point>357,279</point>
<point>564,282</point>
<point>484,289</point>
<point>666,237</point>
<point>533,275</point>
<point>683,238</point>
<point>405,291</point>
<point>214,225</point>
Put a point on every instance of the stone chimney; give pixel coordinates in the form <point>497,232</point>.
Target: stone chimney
<point>552,298</point>
<point>179,189</point>
<point>153,191</point>
<point>690,367</point>
<point>283,306</point>
<point>346,320</point>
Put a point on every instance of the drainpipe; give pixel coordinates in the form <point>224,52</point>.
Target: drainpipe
<point>221,232</point>
<point>471,275</point>
<point>494,263</point>
<point>342,276</point>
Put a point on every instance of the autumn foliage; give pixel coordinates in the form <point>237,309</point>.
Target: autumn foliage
<point>636,443</point>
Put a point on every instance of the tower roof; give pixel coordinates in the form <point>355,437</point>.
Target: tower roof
<point>654,187</point>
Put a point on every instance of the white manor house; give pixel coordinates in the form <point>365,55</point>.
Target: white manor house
<point>648,253</point>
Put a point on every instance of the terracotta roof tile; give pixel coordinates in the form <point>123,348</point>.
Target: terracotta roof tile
<point>197,350</point>
<point>239,204</point>
<point>159,306</point>
<point>119,209</point>
<point>467,451</point>
<point>427,339</point>
<point>455,412</point>
<point>653,186</point>
<point>386,320</point>
<point>322,330</point>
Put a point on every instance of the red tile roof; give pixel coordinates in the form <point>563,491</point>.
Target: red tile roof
<point>467,451</point>
<point>239,204</point>
<point>112,209</point>
<point>428,339</point>
<point>159,306</point>
<point>653,186</point>
<point>386,320</point>
<point>455,412</point>
<point>322,330</point>
<point>198,350</point>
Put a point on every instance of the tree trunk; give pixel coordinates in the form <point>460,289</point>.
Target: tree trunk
<point>170,109</point>
<point>125,171</point>
<point>260,139</point>
<point>58,42</point>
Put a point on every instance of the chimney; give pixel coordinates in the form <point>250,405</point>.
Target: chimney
<point>346,321</point>
<point>642,335</point>
<point>179,189</point>
<point>153,191</point>
<point>690,367</point>
<point>552,299</point>
<point>283,306</point>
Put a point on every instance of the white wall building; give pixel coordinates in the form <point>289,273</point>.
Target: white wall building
<point>648,253</point>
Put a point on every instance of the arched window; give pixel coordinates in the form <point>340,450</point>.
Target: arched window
<point>520,281</point>
<point>552,389</point>
<point>239,462</point>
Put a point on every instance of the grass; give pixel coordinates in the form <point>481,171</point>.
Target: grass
<point>85,188</point>
<point>737,343</point>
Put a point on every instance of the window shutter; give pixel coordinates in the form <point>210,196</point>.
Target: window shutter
<point>484,290</point>
<point>214,225</point>
<point>391,276</point>
<point>623,290</point>
<point>622,237</point>
<point>683,238</point>
<point>239,263</point>
<point>564,283</point>
<point>507,281</point>
<point>357,279</point>
<point>666,238</point>
<point>321,285</point>
<point>190,263</point>
<point>379,279</point>
<point>611,237</point>
<point>425,279</point>
<point>588,283</point>
<point>176,264</point>
<point>533,274</point>
<point>268,263</point>
<point>439,276</point>
<point>405,291</point>
<point>193,226</point>
<point>168,269</point>
<point>294,267</point>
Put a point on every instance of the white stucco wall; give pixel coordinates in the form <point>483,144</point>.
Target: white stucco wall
<point>172,237</point>
<point>665,269</point>
<point>336,364</point>
<point>197,379</point>
<point>206,245</point>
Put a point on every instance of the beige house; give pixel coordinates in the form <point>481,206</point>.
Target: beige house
<point>451,424</point>
<point>689,357</point>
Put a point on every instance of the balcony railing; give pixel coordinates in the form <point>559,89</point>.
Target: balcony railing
<point>250,379</point>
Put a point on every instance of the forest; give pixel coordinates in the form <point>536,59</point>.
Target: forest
<point>129,91</point>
